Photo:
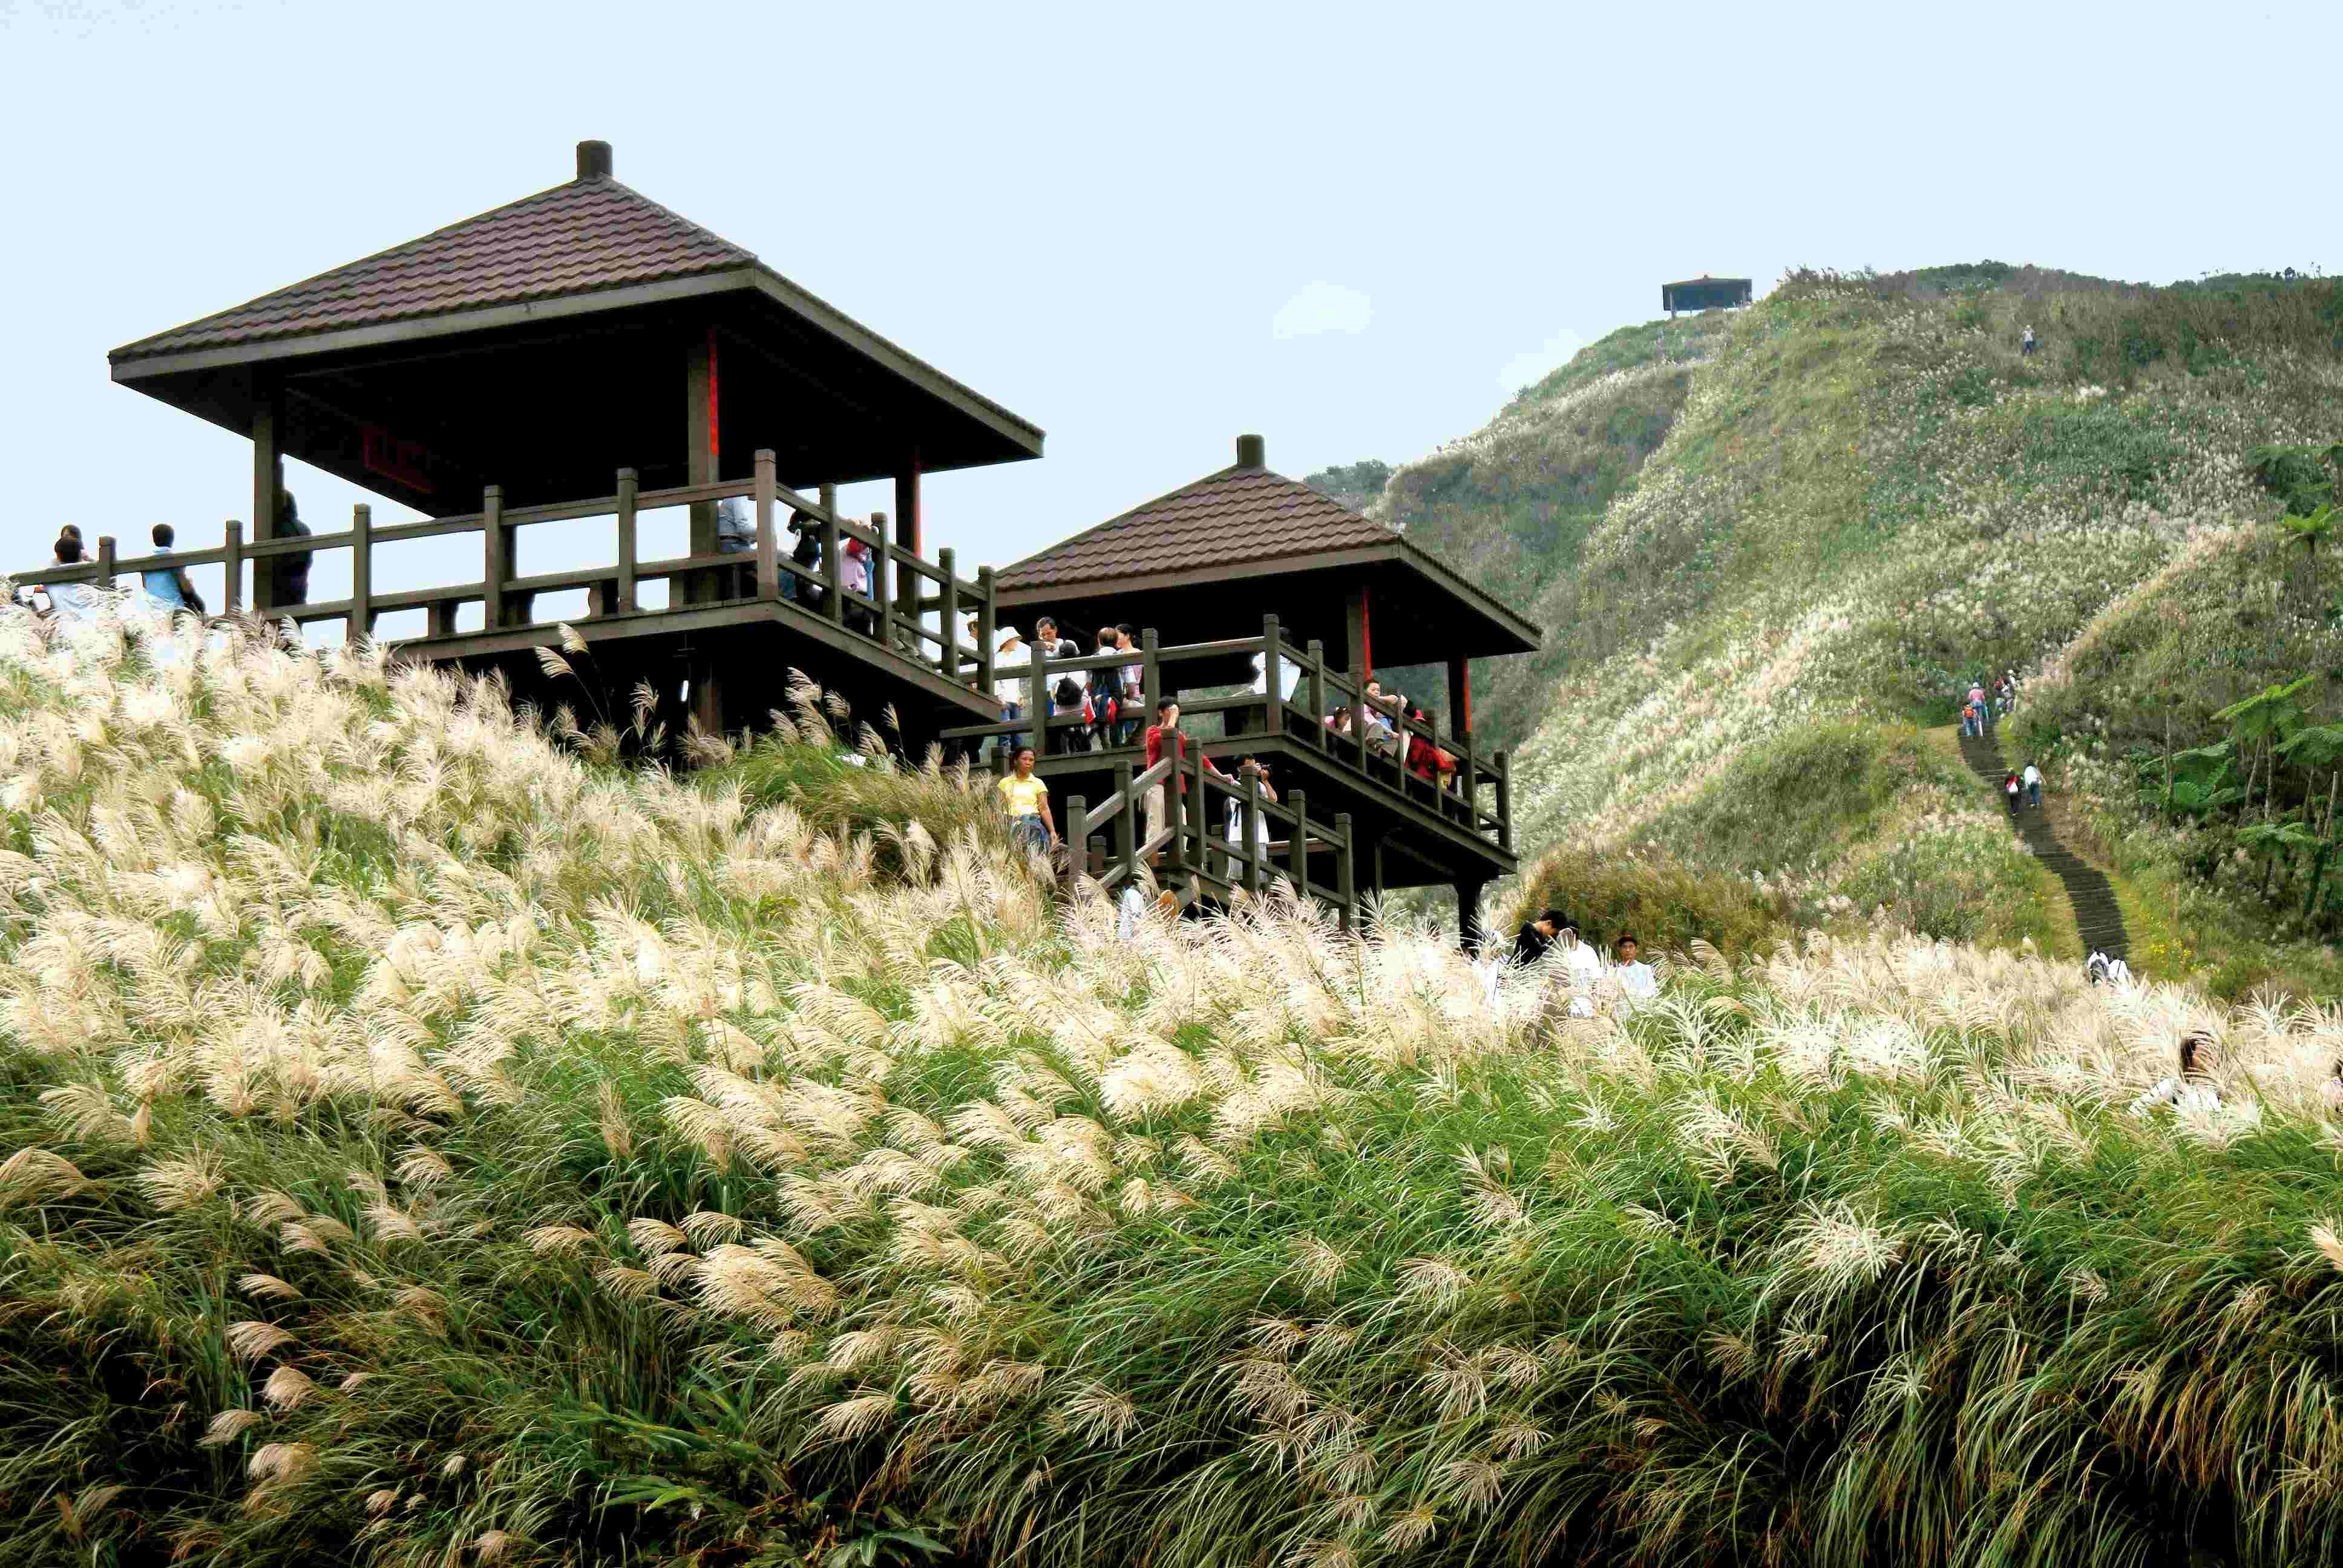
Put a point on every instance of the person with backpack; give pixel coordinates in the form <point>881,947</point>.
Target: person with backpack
<point>2009,789</point>
<point>2033,785</point>
<point>1164,735</point>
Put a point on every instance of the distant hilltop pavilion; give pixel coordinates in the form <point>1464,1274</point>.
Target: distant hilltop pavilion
<point>1704,293</point>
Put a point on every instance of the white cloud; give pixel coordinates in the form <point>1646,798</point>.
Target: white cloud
<point>1533,363</point>
<point>1322,307</point>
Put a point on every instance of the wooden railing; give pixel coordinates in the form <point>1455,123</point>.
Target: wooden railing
<point>1269,713</point>
<point>1183,848</point>
<point>896,621</point>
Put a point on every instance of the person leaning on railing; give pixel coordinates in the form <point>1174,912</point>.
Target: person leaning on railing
<point>169,585</point>
<point>72,601</point>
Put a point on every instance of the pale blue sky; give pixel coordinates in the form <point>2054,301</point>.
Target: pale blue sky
<point>1354,228</point>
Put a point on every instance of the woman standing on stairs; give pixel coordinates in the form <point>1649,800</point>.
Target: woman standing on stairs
<point>2009,793</point>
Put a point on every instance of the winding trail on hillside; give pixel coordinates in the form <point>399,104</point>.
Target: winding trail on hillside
<point>2097,916</point>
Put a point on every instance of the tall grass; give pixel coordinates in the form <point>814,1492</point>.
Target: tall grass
<point>426,1147</point>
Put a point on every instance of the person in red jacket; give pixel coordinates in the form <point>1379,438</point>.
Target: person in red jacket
<point>1165,731</point>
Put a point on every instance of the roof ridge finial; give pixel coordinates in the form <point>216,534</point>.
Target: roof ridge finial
<point>594,160</point>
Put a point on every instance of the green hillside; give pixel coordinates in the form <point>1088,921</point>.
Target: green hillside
<point>1860,499</point>
<point>428,1142</point>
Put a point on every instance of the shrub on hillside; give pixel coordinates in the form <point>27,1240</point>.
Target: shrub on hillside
<point>1662,900</point>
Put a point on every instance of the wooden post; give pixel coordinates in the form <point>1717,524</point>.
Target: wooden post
<point>1358,643</point>
<point>630,486</point>
<point>907,530</point>
<point>1318,692</point>
<point>231,551</point>
<point>1460,697</point>
<point>948,659</point>
<point>707,694</point>
<point>1468,912</point>
<point>440,617</point>
<point>1174,782</point>
<point>264,498</point>
<point>1126,824</point>
<point>1037,696</point>
<point>1297,845</point>
<point>884,584</point>
<point>833,570</point>
<point>768,558</point>
<point>1346,889</point>
<point>1076,837</point>
<point>493,565</point>
<point>1272,684</point>
<point>360,624</point>
<point>1504,801</point>
<point>105,560</point>
<point>1199,817</point>
<point>1250,832</point>
<point>699,460</point>
<point>988,630</point>
<point>1151,677</point>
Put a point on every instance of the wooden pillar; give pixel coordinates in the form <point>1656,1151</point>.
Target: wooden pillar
<point>833,569</point>
<point>493,566</point>
<point>1272,677</point>
<point>1076,837</point>
<point>1248,833</point>
<point>699,457</point>
<point>1358,638</point>
<point>988,630</point>
<point>1346,887</point>
<point>1375,868</point>
<point>1469,932</point>
<point>361,622</point>
<point>630,486</point>
<point>1126,826</point>
<point>232,565</point>
<point>267,472</point>
<point>1150,678</point>
<point>948,621</point>
<point>1504,801</point>
<point>768,552</point>
<point>884,587</point>
<point>907,527</point>
<point>1297,843</point>
<point>1460,697</point>
<point>1317,690</point>
<point>105,560</point>
<point>707,694</point>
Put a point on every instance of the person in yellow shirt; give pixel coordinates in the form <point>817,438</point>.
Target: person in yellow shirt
<point>1029,804</point>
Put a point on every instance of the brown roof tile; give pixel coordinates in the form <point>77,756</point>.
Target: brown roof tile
<point>1236,517</point>
<point>587,235</point>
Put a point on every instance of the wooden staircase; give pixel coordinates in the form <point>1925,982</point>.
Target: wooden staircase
<point>2096,915</point>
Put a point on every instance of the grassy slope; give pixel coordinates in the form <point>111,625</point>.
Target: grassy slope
<point>1868,498</point>
<point>1511,505</point>
<point>424,1148</point>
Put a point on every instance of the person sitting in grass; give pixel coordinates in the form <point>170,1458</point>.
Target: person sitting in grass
<point>1637,983</point>
<point>1536,936</point>
<point>2191,1089</point>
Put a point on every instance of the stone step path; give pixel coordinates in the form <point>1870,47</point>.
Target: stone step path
<point>2096,915</point>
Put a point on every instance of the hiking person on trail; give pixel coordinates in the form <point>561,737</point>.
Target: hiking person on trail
<point>2025,344</point>
<point>2009,789</point>
<point>2032,784</point>
<point>1968,719</point>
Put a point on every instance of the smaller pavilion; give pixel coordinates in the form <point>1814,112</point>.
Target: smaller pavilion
<point>1704,293</point>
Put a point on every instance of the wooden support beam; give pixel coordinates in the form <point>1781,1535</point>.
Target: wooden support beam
<point>833,569</point>
<point>707,694</point>
<point>1297,843</point>
<point>105,560</point>
<point>906,524</point>
<point>1272,676</point>
<point>360,624</point>
<point>232,565</point>
<point>1151,679</point>
<point>266,469</point>
<point>1076,839</point>
<point>1345,874</point>
<point>949,662</point>
<point>883,585</point>
<point>1318,692</point>
<point>988,628</point>
<point>1358,643</point>
<point>699,394</point>
<point>769,555</point>
<point>496,564</point>
<point>629,487</point>
<point>1126,825</point>
<point>1469,930</point>
<point>1504,801</point>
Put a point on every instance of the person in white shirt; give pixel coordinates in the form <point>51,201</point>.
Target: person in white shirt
<point>2033,781</point>
<point>1069,692</point>
<point>1010,688</point>
<point>2191,1089</point>
<point>73,601</point>
<point>1581,966</point>
<point>1637,983</point>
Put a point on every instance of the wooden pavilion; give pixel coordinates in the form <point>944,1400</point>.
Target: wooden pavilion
<point>573,359</point>
<point>1242,572</point>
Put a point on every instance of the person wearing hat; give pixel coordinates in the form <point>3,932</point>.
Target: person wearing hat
<point>1009,653</point>
<point>806,553</point>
